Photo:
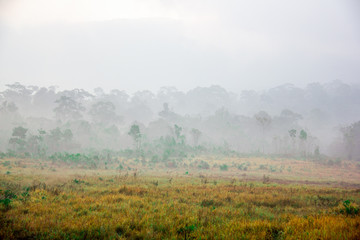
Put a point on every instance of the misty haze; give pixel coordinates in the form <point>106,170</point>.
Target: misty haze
<point>179,119</point>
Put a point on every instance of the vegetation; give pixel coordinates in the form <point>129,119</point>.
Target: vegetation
<point>39,122</point>
<point>51,199</point>
<point>106,167</point>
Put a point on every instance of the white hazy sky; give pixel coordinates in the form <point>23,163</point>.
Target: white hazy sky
<point>146,44</point>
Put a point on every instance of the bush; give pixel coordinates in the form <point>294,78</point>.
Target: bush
<point>186,231</point>
<point>6,198</point>
<point>349,208</point>
<point>6,163</point>
<point>203,165</point>
<point>262,167</point>
<point>224,167</point>
<point>243,166</point>
<point>77,181</point>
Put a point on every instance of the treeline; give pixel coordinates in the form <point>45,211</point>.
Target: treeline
<point>41,122</point>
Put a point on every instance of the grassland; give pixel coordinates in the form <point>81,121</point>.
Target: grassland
<point>250,198</point>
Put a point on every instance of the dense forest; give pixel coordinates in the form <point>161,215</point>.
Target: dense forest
<point>284,121</point>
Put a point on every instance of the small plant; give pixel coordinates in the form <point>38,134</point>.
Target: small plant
<point>186,231</point>
<point>7,198</point>
<point>6,202</point>
<point>25,195</point>
<point>77,181</point>
<point>349,208</point>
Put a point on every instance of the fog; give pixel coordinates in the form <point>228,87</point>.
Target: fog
<point>179,119</point>
<point>145,45</point>
<point>271,122</point>
<point>253,78</point>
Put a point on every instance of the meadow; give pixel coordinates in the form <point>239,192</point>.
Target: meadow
<point>201,198</point>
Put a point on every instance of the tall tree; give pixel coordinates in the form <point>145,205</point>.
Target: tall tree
<point>104,112</point>
<point>8,107</point>
<point>36,144</point>
<point>264,120</point>
<point>179,137</point>
<point>68,109</point>
<point>292,134</point>
<point>167,114</point>
<point>303,138</point>
<point>136,135</point>
<point>351,141</point>
<point>18,139</point>
<point>196,134</point>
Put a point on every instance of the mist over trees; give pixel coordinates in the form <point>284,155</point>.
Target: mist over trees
<point>285,120</point>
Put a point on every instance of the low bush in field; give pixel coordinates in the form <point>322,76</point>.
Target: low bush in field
<point>224,167</point>
<point>203,165</point>
<point>349,208</point>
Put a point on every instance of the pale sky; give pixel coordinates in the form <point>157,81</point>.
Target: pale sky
<point>146,44</point>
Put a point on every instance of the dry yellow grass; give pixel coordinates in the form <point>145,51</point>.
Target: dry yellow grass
<point>106,204</point>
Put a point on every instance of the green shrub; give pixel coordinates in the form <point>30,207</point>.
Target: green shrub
<point>6,163</point>
<point>224,167</point>
<point>349,208</point>
<point>77,181</point>
<point>186,231</point>
<point>6,198</point>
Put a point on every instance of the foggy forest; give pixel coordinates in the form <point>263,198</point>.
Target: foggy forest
<point>179,119</point>
<point>170,124</point>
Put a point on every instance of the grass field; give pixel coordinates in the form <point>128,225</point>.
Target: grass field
<point>249,198</point>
